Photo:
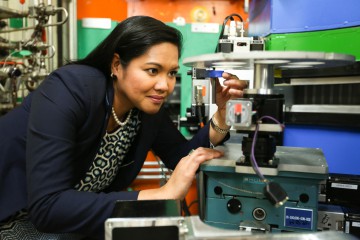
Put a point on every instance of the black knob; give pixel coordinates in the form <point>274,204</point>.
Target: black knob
<point>218,190</point>
<point>234,205</point>
<point>304,198</point>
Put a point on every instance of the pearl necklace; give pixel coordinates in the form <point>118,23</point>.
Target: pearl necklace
<point>118,121</point>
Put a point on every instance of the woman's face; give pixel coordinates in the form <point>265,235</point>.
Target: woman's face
<point>148,80</point>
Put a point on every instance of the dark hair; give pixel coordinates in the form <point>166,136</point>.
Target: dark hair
<point>130,39</point>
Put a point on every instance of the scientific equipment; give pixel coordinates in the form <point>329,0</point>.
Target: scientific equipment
<point>258,185</point>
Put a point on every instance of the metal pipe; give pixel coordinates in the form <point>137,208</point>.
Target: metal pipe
<point>263,79</point>
<point>73,40</point>
<point>66,14</point>
<point>154,170</point>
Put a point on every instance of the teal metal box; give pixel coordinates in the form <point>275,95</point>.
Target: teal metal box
<point>233,198</point>
<point>284,16</point>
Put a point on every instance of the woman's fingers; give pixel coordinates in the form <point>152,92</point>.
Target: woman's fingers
<point>202,154</point>
<point>184,173</point>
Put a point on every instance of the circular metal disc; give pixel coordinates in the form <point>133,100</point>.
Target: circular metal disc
<point>279,59</point>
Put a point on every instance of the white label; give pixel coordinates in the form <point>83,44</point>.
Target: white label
<point>102,23</point>
<point>356,224</point>
<point>345,186</point>
<point>347,227</point>
<point>205,27</point>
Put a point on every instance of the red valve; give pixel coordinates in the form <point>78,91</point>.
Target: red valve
<point>22,1</point>
<point>238,108</point>
<point>43,38</point>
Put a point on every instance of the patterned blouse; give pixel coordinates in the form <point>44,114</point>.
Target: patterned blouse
<point>110,156</point>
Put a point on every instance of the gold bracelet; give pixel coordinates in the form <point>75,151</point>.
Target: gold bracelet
<point>217,128</point>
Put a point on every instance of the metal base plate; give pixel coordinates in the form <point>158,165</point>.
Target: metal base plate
<point>291,159</point>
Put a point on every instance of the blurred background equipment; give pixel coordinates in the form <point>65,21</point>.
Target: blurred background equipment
<point>27,49</point>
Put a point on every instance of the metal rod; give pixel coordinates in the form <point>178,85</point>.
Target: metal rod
<point>263,79</point>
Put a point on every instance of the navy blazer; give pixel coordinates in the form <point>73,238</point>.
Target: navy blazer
<point>49,142</point>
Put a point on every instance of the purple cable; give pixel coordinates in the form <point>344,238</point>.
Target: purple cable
<point>252,157</point>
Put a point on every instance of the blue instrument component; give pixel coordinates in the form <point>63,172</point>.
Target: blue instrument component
<point>214,73</point>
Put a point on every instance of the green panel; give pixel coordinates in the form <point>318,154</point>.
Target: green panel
<point>342,40</point>
<point>89,38</point>
<point>16,22</point>
<point>194,43</point>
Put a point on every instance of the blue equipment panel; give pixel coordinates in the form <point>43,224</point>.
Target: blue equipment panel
<point>284,16</point>
<point>340,146</point>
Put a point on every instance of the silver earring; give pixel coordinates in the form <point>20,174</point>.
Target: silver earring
<point>113,76</point>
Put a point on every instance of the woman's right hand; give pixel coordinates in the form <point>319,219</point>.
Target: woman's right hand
<point>183,176</point>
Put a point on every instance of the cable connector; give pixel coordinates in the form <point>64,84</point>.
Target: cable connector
<point>240,28</point>
<point>275,194</point>
<point>232,29</point>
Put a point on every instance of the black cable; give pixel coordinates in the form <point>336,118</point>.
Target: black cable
<point>192,203</point>
<point>185,208</point>
<point>231,16</point>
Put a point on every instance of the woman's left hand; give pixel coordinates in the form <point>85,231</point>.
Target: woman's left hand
<point>233,88</point>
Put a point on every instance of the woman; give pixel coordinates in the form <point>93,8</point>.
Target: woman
<point>81,137</point>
